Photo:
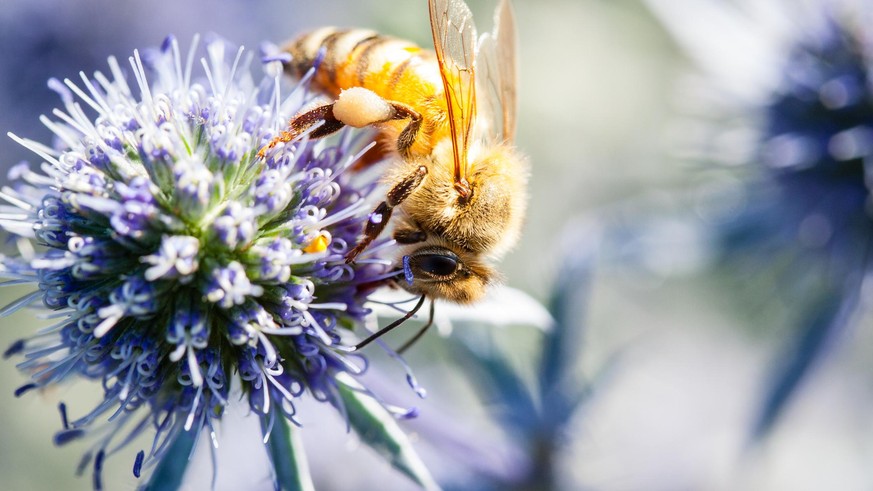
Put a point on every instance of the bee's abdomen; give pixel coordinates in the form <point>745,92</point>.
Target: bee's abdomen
<point>362,58</point>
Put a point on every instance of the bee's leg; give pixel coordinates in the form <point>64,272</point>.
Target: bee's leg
<point>360,107</point>
<point>302,122</point>
<point>407,136</point>
<point>409,235</point>
<point>380,216</point>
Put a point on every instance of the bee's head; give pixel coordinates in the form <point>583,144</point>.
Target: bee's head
<point>440,272</point>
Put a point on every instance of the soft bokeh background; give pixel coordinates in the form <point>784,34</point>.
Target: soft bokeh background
<point>598,89</point>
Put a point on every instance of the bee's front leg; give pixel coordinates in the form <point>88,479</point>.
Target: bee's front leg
<point>409,234</point>
<point>380,216</point>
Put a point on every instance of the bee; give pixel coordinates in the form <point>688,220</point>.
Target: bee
<point>457,185</point>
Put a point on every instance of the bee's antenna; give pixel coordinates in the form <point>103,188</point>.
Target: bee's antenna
<point>420,332</point>
<point>376,335</point>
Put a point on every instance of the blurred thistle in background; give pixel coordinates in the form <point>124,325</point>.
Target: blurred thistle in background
<point>539,415</point>
<point>788,105</point>
<point>182,272</point>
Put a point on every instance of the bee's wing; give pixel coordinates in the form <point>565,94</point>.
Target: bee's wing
<point>454,40</point>
<point>497,77</point>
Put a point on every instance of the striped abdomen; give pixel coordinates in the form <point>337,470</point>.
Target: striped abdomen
<point>395,69</point>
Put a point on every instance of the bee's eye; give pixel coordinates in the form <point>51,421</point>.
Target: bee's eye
<point>437,264</point>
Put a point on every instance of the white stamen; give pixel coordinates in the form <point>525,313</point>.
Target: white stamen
<point>193,366</point>
<point>81,93</point>
<point>329,306</point>
<point>190,421</point>
<point>35,147</point>
<point>106,325</point>
<point>6,196</point>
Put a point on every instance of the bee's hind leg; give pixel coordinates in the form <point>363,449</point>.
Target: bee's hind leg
<point>299,124</point>
<point>357,107</point>
<point>380,216</point>
<point>360,107</point>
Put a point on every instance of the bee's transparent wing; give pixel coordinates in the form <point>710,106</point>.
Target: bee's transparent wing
<point>454,40</point>
<point>497,78</point>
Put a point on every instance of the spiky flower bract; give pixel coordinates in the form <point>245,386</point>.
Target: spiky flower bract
<point>802,225</point>
<point>174,261</point>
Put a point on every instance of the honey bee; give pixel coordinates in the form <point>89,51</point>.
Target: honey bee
<point>458,189</point>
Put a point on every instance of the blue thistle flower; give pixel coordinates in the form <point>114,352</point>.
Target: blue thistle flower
<point>174,260</point>
<point>805,227</point>
<point>812,152</point>
<point>815,148</point>
<point>536,417</point>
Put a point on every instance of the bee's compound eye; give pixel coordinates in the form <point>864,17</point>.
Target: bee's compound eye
<point>437,264</point>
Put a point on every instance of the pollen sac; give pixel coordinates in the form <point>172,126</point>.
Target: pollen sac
<point>360,107</point>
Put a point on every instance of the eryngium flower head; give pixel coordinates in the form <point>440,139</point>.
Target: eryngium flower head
<point>173,259</point>
<point>803,223</point>
<point>815,147</point>
<point>816,143</point>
